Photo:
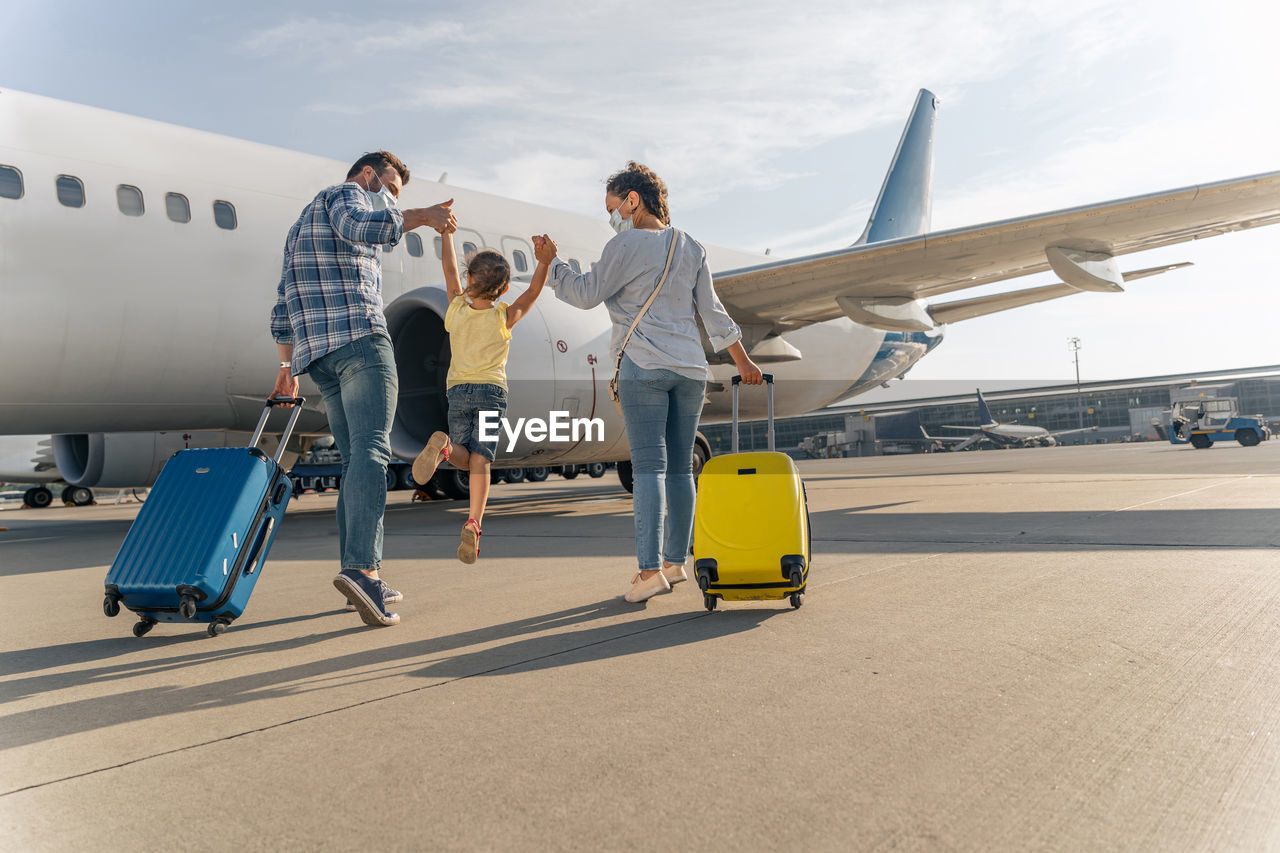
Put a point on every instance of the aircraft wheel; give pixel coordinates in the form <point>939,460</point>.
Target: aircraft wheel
<point>596,470</point>
<point>80,496</point>
<point>513,475</point>
<point>536,475</point>
<point>38,497</point>
<point>454,483</point>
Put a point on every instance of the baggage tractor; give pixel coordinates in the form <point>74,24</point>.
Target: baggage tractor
<point>197,546</point>
<point>751,539</point>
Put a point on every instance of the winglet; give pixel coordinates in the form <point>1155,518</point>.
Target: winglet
<point>902,208</point>
<point>984,414</point>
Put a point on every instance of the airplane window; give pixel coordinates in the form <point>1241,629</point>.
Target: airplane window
<point>224,215</point>
<point>129,200</point>
<point>177,206</point>
<point>468,248</point>
<point>439,248</point>
<point>10,182</point>
<point>70,191</point>
<point>414,242</point>
<point>522,263</point>
<point>574,265</point>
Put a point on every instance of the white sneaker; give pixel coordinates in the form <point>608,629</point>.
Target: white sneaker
<point>674,574</point>
<point>643,590</point>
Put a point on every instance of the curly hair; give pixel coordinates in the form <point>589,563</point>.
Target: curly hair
<point>645,182</point>
<point>488,274</point>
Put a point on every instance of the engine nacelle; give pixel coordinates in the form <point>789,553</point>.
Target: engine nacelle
<point>122,460</point>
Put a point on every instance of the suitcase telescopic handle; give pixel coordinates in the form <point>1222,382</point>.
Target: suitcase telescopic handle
<point>768,381</point>
<point>272,402</point>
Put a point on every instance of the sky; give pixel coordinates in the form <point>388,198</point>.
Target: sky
<point>772,124</point>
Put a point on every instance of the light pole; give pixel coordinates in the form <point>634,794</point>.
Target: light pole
<point>1073,344</point>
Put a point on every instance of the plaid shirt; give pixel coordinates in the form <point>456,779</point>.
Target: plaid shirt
<point>330,291</point>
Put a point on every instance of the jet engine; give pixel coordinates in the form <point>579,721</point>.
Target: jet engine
<point>120,460</point>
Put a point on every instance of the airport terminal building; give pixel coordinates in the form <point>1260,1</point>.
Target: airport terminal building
<point>1122,410</point>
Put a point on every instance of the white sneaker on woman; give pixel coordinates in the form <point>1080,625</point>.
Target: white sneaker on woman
<point>642,589</point>
<point>674,574</point>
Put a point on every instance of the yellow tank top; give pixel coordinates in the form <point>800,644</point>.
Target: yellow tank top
<point>479,340</point>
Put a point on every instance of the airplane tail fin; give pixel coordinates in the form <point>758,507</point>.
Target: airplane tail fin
<point>984,414</point>
<point>902,208</point>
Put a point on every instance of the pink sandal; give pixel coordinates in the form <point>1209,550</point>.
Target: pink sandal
<point>437,451</point>
<point>469,550</point>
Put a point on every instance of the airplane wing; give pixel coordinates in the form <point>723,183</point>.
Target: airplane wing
<point>1073,431</point>
<point>878,284</point>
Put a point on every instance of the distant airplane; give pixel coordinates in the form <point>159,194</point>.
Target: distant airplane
<point>1004,435</point>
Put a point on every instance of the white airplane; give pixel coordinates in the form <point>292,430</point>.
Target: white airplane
<point>28,460</point>
<point>1004,435</point>
<point>139,261</point>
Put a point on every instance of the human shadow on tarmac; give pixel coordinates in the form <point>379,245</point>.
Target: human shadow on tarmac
<point>86,651</point>
<point>365,666</point>
<point>594,644</point>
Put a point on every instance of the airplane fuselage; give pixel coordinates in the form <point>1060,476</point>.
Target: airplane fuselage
<point>125,318</point>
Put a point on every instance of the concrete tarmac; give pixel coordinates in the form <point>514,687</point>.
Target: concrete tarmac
<point>1052,649</point>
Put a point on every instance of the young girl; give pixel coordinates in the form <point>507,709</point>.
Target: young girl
<point>479,330</point>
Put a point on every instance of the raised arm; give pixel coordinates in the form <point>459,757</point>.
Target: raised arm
<point>449,260</point>
<point>522,305</point>
<point>581,290</point>
<point>356,221</point>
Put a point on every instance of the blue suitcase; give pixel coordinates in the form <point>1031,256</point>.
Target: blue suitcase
<point>197,546</point>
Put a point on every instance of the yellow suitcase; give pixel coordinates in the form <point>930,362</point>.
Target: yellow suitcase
<point>751,539</point>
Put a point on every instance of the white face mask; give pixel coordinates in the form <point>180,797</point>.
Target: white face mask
<point>617,222</point>
<point>388,200</point>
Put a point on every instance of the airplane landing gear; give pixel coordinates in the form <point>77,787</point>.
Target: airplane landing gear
<point>77,496</point>
<point>37,497</point>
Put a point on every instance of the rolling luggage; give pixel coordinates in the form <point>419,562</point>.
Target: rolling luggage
<point>751,539</point>
<point>197,546</point>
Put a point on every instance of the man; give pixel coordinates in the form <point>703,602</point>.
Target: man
<point>328,322</point>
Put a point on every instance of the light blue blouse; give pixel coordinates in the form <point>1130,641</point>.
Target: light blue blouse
<point>624,278</point>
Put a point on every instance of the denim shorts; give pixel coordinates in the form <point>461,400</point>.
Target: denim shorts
<point>466,401</point>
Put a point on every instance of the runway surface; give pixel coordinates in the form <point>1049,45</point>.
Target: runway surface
<point>1050,649</point>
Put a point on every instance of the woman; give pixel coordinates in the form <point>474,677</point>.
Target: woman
<point>663,375</point>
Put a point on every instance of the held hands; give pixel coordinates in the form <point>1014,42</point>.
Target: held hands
<point>439,217</point>
<point>544,249</point>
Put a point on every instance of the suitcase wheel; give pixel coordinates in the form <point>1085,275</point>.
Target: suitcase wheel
<point>140,628</point>
<point>111,605</point>
<point>796,599</point>
<point>217,627</point>
<point>187,607</point>
<point>709,601</point>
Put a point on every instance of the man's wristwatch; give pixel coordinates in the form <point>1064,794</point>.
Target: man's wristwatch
<point>285,364</point>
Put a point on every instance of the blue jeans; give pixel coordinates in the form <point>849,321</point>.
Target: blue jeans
<point>359,384</point>
<point>661,410</point>
<point>466,401</point>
